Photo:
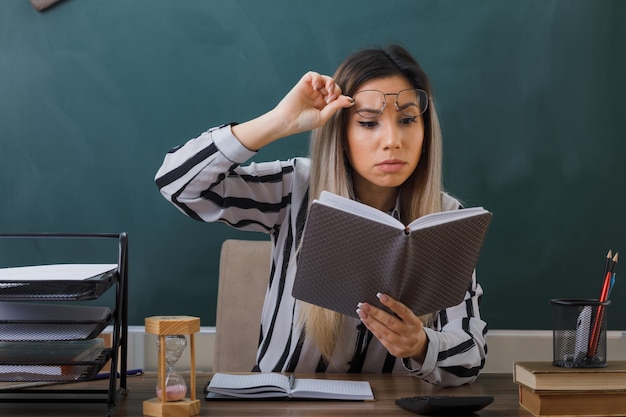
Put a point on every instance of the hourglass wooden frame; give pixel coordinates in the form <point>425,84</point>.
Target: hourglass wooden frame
<point>171,326</point>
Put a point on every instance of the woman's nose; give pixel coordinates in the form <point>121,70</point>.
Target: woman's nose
<point>391,135</point>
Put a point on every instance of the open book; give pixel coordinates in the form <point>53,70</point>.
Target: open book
<point>274,385</point>
<point>351,251</point>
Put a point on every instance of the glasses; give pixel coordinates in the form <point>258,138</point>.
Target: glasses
<point>370,104</point>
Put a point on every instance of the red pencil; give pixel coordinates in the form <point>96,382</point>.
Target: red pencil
<point>597,324</point>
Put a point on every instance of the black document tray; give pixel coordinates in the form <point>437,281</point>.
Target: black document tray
<point>31,322</point>
<point>53,371</point>
<point>57,289</point>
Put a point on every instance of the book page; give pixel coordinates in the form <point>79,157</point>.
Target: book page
<point>62,272</point>
<point>442,217</point>
<point>360,209</point>
<point>368,212</point>
<point>332,389</point>
<point>262,384</point>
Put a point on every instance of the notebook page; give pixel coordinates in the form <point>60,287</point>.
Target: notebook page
<point>360,209</point>
<point>230,384</point>
<point>327,388</point>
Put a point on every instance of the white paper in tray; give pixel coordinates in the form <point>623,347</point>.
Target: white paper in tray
<point>62,272</point>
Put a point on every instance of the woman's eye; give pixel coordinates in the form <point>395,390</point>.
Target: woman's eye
<point>367,125</point>
<point>408,120</point>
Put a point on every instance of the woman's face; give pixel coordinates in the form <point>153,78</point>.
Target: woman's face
<point>384,149</point>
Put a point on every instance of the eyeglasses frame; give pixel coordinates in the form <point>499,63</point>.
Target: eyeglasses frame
<point>419,90</point>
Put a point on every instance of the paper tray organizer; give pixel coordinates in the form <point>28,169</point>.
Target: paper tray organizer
<point>50,325</point>
<point>30,321</point>
<point>26,282</point>
<point>57,290</point>
<point>65,371</point>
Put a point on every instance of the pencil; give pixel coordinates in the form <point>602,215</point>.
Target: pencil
<point>607,264</point>
<point>604,295</point>
<point>614,262</point>
<point>612,272</point>
<point>608,274</point>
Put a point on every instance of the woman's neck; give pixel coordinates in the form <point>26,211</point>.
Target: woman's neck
<point>383,201</point>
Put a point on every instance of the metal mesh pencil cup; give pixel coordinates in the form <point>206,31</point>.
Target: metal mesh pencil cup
<point>579,333</point>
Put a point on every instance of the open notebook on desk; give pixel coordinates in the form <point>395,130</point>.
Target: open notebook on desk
<point>278,386</point>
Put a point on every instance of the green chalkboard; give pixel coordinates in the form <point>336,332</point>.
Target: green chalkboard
<point>530,95</point>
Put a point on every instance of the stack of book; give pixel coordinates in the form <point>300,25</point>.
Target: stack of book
<point>547,390</point>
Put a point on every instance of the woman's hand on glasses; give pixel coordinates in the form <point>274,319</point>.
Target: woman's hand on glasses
<point>311,103</point>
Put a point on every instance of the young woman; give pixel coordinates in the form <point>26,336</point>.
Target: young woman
<point>376,139</point>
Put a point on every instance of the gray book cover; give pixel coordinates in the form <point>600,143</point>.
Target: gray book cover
<point>346,258</point>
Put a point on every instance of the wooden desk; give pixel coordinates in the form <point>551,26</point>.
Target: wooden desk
<point>386,389</point>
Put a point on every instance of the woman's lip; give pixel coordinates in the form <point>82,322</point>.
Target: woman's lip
<point>390,165</point>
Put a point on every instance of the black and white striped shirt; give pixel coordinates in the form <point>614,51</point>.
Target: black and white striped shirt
<point>205,180</point>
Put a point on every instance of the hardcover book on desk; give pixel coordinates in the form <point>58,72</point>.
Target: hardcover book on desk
<point>547,390</point>
<point>351,251</point>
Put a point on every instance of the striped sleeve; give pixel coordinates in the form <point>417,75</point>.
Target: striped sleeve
<point>457,349</point>
<point>204,180</point>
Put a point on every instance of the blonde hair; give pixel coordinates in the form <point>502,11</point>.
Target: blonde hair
<point>420,194</point>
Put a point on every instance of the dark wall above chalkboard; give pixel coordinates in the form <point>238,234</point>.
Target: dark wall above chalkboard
<point>530,92</point>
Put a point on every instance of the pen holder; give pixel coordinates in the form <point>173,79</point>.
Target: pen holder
<point>579,333</point>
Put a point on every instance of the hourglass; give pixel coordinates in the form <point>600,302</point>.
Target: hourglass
<point>171,388</point>
<point>175,387</point>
